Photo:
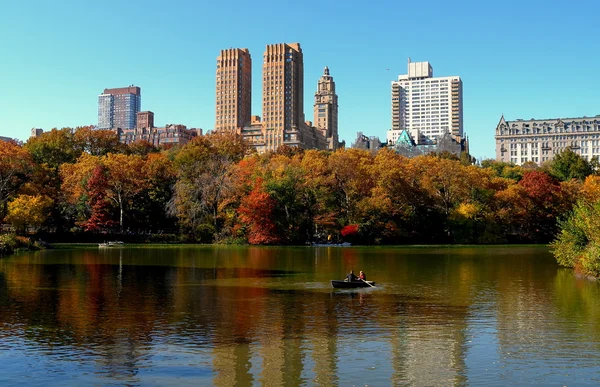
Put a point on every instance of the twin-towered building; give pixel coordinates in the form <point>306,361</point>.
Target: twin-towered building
<point>283,121</point>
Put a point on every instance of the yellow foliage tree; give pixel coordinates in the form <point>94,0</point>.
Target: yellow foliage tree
<point>28,210</point>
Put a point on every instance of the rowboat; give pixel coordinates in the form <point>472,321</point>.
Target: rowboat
<point>341,284</point>
<point>111,244</point>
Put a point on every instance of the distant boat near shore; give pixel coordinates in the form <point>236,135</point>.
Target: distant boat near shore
<point>111,244</point>
<point>345,244</point>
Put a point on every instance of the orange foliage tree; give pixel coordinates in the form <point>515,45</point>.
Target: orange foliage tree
<point>256,212</point>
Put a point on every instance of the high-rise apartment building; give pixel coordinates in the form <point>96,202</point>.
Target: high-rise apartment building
<point>234,89</point>
<point>283,93</point>
<point>118,108</point>
<point>520,141</point>
<point>326,109</point>
<point>426,106</point>
<point>282,122</point>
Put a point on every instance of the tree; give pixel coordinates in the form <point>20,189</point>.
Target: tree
<point>54,148</point>
<point>28,210</point>
<point>256,211</point>
<point>141,148</point>
<point>578,242</point>
<point>100,218</point>
<point>15,165</point>
<point>351,181</point>
<point>204,178</point>
<point>543,203</point>
<point>97,142</point>
<point>125,180</point>
<point>569,165</point>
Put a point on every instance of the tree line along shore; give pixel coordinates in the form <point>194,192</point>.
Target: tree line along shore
<point>84,183</point>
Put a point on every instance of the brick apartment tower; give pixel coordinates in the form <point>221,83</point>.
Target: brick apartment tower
<point>234,89</point>
<point>145,120</point>
<point>118,108</point>
<point>283,93</point>
<point>326,109</point>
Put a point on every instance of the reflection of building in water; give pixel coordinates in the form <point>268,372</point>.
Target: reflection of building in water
<point>431,352</point>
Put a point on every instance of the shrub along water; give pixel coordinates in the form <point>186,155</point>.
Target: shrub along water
<point>10,243</point>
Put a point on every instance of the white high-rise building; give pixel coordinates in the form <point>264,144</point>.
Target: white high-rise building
<point>425,106</point>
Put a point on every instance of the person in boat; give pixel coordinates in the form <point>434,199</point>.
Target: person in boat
<point>351,276</point>
<point>362,275</point>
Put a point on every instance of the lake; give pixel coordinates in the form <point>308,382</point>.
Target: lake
<point>253,316</point>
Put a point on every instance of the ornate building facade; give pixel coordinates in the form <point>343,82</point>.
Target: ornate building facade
<point>520,141</point>
<point>326,110</point>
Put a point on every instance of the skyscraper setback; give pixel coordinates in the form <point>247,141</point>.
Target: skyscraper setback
<point>283,94</point>
<point>118,108</point>
<point>282,121</point>
<point>234,89</point>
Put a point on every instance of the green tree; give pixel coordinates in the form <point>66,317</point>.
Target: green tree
<point>578,242</point>
<point>569,165</point>
<point>54,148</point>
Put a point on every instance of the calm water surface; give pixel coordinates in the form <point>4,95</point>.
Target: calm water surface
<point>252,316</point>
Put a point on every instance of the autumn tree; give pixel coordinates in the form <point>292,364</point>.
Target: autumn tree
<point>204,177</point>
<point>28,210</point>
<point>54,148</point>
<point>543,203</point>
<point>256,212</point>
<point>97,142</point>
<point>74,178</point>
<point>15,166</point>
<point>141,148</point>
<point>125,180</point>
<point>149,205</point>
<point>352,181</point>
<point>100,216</point>
<point>294,203</point>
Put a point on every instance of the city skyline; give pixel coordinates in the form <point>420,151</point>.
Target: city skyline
<point>508,57</point>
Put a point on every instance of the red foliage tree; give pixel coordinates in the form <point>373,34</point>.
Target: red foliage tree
<point>100,218</point>
<point>349,230</point>
<point>256,211</point>
<point>543,203</point>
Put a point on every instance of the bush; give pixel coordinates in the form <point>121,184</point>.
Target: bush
<point>9,243</point>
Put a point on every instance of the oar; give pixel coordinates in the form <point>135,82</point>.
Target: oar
<point>366,282</point>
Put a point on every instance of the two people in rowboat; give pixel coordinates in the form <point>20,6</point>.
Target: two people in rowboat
<point>352,277</point>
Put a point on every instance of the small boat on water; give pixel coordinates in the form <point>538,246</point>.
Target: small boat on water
<point>341,284</point>
<point>345,244</point>
<point>111,244</point>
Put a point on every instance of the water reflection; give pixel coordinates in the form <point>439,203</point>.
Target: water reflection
<point>267,316</point>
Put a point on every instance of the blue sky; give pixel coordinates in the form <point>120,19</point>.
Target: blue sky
<point>522,58</point>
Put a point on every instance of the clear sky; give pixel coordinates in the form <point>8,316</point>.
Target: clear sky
<point>521,58</point>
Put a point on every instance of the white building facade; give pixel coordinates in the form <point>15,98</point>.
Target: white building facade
<point>539,141</point>
<point>426,106</point>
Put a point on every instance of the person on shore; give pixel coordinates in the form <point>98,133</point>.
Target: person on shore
<point>362,275</point>
<point>351,277</point>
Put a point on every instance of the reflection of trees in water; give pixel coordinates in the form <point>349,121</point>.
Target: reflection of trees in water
<point>117,314</point>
